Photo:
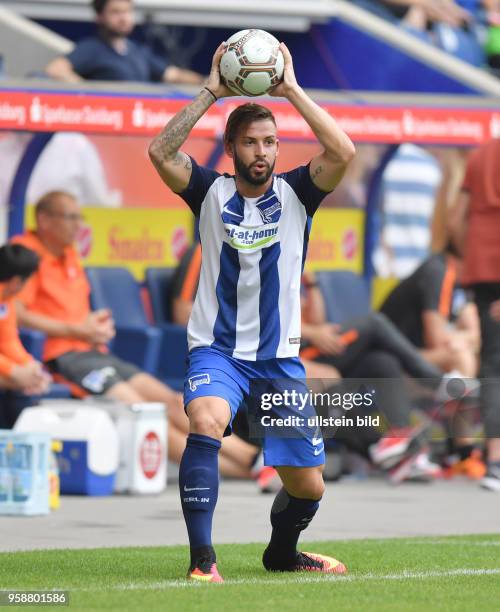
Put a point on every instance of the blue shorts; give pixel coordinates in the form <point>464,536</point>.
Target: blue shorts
<point>296,439</point>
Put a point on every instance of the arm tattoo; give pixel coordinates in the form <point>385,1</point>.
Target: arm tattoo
<point>318,170</point>
<point>181,159</point>
<point>166,145</point>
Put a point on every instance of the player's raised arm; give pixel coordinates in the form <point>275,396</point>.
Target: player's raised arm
<point>173,165</point>
<point>327,168</point>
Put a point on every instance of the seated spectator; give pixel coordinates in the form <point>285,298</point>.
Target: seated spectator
<point>56,301</point>
<point>419,13</point>
<point>435,313</point>
<point>371,348</point>
<point>18,370</point>
<point>424,304</point>
<point>113,56</point>
<point>455,26</point>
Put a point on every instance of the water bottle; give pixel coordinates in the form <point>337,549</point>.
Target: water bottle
<point>22,474</point>
<point>5,480</point>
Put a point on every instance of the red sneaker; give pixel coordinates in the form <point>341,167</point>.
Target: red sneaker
<point>268,480</point>
<point>396,445</point>
<point>418,468</point>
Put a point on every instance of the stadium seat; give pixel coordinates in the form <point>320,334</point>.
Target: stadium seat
<point>173,353</point>
<point>158,282</point>
<point>33,341</point>
<point>136,340</point>
<point>346,294</point>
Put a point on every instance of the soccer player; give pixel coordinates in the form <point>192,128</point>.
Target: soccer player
<point>245,322</point>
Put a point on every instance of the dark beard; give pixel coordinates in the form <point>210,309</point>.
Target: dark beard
<point>110,34</point>
<point>244,172</point>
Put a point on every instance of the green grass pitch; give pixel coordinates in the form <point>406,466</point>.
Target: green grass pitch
<point>445,573</point>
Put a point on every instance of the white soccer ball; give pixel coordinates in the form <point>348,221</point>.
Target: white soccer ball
<point>253,63</point>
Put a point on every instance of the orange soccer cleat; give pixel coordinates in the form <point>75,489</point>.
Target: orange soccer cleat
<point>313,562</point>
<point>205,570</point>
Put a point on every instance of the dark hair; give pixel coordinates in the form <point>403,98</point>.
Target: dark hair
<point>244,115</point>
<point>100,5</point>
<point>17,260</point>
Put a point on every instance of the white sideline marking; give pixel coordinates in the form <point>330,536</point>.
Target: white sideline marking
<point>167,584</point>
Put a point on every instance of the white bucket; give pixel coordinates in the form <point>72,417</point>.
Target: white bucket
<point>142,429</point>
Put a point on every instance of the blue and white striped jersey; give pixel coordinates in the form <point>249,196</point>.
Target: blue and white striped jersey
<point>253,252</point>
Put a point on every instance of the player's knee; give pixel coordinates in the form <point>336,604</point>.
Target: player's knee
<point>313,491</point>
<point>311,487</point>
<point>318,490</point>
<point>207,423</point>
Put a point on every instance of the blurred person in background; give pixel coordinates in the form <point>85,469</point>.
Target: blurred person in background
<point>475,230</point>
<point>19,371</point>
<point>454,26</point>
<point>410,185</point>
<point>419,13</point>
<point>438,316</point>
<point>434,312</point>
<point>371,348</point>
<point>112,56</point>
<point>56,302</point>
<point>424,305</point>
<point>69,162</point>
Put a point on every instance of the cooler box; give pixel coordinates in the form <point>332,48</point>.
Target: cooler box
<point>89,459</point>
<point>142,429</point>
<point>24,472</point>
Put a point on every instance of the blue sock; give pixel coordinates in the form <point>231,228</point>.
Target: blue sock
<point>289,516</point>
<point>199,487</point>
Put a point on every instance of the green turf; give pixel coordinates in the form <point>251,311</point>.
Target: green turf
<point>399,574</point>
